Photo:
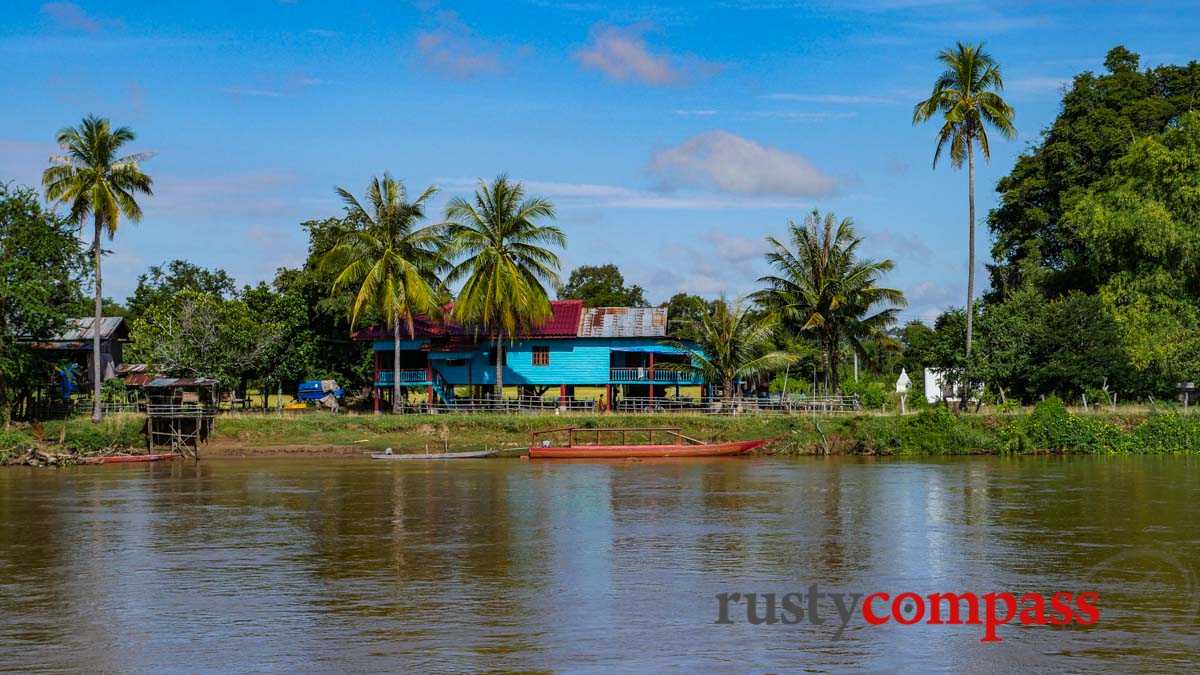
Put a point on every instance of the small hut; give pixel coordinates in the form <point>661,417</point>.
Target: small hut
<point>180,412</point>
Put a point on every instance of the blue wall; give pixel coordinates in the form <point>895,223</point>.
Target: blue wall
<point>579,361</point>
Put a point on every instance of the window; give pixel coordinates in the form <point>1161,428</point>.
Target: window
<point>541,356</point>
<point>492,356</point>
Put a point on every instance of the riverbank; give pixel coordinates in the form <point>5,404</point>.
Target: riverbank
<point>1048,427</point>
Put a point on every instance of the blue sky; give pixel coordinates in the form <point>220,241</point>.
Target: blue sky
<point>673,137</point>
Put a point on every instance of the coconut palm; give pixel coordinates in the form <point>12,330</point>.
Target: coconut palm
<point>93,179</point>
<point>727,343</point>
<point>820,284</point>
<point>504,261</point>
<point>966,94</point>
<point>389,263</point>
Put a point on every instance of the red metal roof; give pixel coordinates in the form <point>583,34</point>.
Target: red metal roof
<point>563,323</point>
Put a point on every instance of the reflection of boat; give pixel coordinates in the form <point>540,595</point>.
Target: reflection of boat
<point>137,458</point>
<point>677,444</point>
<point>476,454</point>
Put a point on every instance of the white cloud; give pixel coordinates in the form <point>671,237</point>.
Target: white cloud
<point>1036,84</point>
<point>737,165</point>
<point>589,195</point>
<point>622,54</point>
<point>696,113</point>
<point>453,49</point>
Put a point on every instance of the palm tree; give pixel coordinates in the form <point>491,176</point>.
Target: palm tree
<point>392,263</point>
<point>966,94</point>
<point>93,179</point>
<point>505,263</point>
<point>821,284</point>
<point>730,343</point>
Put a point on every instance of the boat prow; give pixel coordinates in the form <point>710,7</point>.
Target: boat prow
<point>678,449</point>
<point>478,454</point>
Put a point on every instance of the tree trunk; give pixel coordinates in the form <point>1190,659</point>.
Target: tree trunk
<point>97,368</point>
<point>500,365</point>
<point>728,394</point>
<point>831,347</point>
<point>971,246</point>
<point>396,365</point>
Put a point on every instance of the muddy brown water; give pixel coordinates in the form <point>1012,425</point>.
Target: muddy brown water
<point>353,565</point>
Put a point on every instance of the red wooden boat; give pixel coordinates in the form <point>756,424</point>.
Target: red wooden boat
<point>676,445</point>
<point>138,458</point>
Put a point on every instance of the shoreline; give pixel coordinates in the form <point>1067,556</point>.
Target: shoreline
<point>1048,428</point>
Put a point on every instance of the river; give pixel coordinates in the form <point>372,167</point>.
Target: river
<point>354,565</point>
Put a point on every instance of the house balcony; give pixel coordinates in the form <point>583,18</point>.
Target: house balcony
<point>656,375</point>
<point>408,376</point>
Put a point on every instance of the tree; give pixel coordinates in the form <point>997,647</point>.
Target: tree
<point>1100,117</point>
<point>730,343</point>
<point>505,263</point>
<point>684,310</point>
<point>162,282</point>
<point>390,262</point>
<point>92,178</point>
<point>601,286</point>
<point>821,284</point>
<point>41,268</point>
<point>198,335</point>
<point>966,95</point>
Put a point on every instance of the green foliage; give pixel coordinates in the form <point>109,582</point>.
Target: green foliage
<point>40,273</point>
<point>821,285</point>
<point>159,284</point>
<point>506,263</point>
<point>1100,118</point>
<point>92,179</point>
<point>872,394</point>
<point>601,286</point>
<point>197,335</point>
<point>116,431</point>
<point>730,344</point>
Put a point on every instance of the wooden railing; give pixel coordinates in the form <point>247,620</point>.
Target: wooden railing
<point>407,376</point>
<point>660,375</point>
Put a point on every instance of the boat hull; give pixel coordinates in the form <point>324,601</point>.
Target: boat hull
<point>436,455</point>
<point>619,451</point>
<point>123,459</point>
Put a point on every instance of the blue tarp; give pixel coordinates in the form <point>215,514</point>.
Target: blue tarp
<point>313,391</point>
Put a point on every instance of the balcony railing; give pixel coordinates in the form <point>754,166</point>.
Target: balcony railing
<point>661,376</point>
<point>407,376</point>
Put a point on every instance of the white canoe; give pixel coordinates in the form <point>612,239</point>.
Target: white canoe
<point>436,455</point>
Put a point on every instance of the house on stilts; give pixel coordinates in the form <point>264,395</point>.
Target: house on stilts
<point>616,349</point>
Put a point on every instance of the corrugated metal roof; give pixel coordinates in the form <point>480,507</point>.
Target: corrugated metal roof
<point>81,329</point>
<point>563,323</point>
<point>624,322</point>
<point>181,382</point>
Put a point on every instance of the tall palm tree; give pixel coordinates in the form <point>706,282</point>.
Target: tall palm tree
<point>731,343</point>
<point>821,284</point>
<point>967,96</point>
<point>94,179</point>
<point>505,262</point>
<point>391,264</point>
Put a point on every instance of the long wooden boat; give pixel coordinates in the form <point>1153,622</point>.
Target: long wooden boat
<point>137,458</point>
<point>677,444</point>
<point>476,454</point>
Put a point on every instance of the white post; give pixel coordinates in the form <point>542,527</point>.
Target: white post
<point>856,366</point>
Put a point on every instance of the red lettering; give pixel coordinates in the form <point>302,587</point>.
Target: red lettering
<point>1036,612</point>
<point>898,608</point>
<point>870,616</point>
<point>1087,608</point>
<point>1061,606</point>
<point>990,620</point>
<point>935,609</point>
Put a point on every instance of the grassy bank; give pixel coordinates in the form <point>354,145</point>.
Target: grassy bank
<point>1048,427</point>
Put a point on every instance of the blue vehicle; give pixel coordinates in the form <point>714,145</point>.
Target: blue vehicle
<point>315,390</point>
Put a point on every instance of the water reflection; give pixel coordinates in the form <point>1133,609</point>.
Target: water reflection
<point>289,564</point>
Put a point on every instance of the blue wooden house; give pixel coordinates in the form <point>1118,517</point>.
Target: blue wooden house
<point>617,348</point>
